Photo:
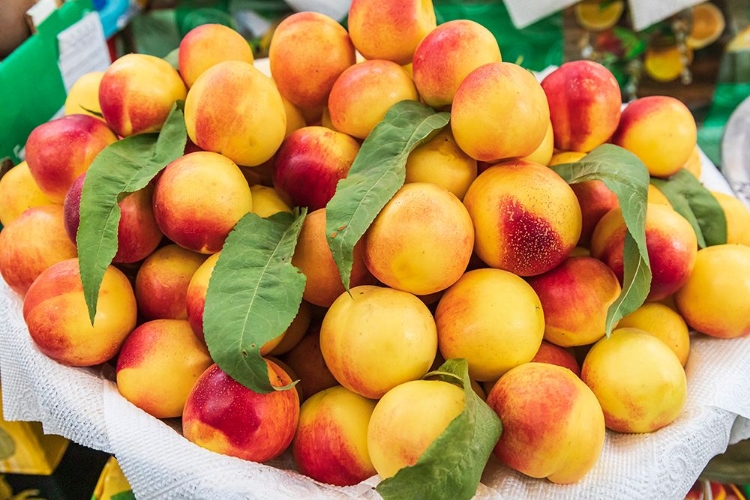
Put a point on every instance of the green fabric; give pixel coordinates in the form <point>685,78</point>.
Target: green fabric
<point>31,86</point>
<point>535,47</point>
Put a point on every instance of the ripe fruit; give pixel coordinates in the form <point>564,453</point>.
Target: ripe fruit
<point>738,218</point>
<point>58,321</point>
<point>207,45</point>
<point>449,53</point>
<point>584,105</point>
<point>406,421</point>
<point>32,243</point>
<point>663,323</point>
<point>575,297</point>
<point>553,426</point>
<point>306,359</point>
<point>199,198</point>
<point>472,322</point>
<point>371,324</point>
<point>309,164</point>
<point>308,52</point>
<point>363,94</point>
<point>487,124</point>
<point>131,103</point>
<point>660,130</point>
<point>390,29</point>
<point>526,217</point>
<point>83,96</point>
<point>313,257</point>
<point>331,440</point>
<point>162,282</point>
<point>60,150</point>
<point>158,365</point>
<point>138,235</point>
<point>715,298</point>
<point>637,379</point>
<point>556,355</point>
<point>670,241</point>
<point>223,416</point>
<point>249,127</point>
<point>421,241</point>
<point>18,193</point>
<point>441,162</point>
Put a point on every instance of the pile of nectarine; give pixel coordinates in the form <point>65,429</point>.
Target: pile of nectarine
<point>485,253</point>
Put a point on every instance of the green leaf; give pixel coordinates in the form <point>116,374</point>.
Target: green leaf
<point>452,465</point>
<point>121,168</point>
<point>124,495</point>
<point>93,112</point>
<point>693,201</point>
<point>173,58</point>
<point>376,174</point>
<point>253,295</point>
<point>627,176</point>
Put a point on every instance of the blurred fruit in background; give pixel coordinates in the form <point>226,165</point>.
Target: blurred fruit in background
<point>599,15</point>
<point>706,27</point>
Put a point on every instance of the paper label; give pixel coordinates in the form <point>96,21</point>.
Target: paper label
<point>83,49</point>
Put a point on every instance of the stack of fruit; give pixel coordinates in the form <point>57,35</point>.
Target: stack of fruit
<point>392,241</point>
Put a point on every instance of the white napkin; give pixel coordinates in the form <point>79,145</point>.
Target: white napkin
<point>84,406</point>
<point>644,12</point>
<point>647,12</point>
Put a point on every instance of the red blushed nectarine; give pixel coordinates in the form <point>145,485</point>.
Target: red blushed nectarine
<point>449,53</point>
<point>331,440</point>
<point>575,297</point>
<point>131,103</point>
<point>58,321</point>
<point>137,232</point>
<point>158,365</point>
<point>584,105</point>
<point>670,241</point>
<point>226,417</point>
<point>553,425</point>
<point>309,164</point>
<point>199,198</point>
<point>162,282</point>
<point>60,150</point>
<point>307,54</point>
<point>526,217</point>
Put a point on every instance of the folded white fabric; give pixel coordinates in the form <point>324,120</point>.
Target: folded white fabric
<point>644,12</point>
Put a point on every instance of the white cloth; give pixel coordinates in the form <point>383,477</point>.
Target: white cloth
<point>84,405</point>
<point>644,13</point>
